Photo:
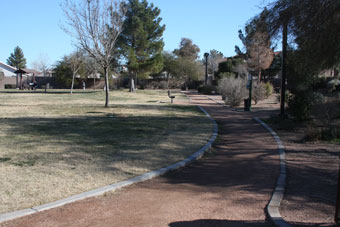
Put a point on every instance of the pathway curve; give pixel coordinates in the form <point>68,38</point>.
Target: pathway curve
<point>230,186</point>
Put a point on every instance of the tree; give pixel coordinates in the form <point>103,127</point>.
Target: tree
<point>233,65</point>
<point>96,26</point>
<point>256,40</point>
<point>141,41</point>
<point>17,59</point>
<point>76,60</point>
<point>41,64</point>
<point>187,49</point>
<point>92,69</point>
<point>169,64</point>
<point>187,68</point>
<point>215,57</point>
<point>63,72</point>
<point>313,28</point>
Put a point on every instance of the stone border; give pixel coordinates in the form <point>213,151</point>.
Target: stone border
<point>275,200</point>
<point>99,191</point>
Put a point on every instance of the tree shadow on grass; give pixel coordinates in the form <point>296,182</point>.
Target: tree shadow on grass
<point>48,92</point>
<point>144,141</point>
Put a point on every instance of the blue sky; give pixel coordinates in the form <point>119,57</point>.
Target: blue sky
<point>211,24</point>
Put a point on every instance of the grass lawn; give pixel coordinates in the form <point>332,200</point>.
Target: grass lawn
<point>55,145</point>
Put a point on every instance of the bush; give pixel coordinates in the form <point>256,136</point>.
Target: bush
<point>312,134</point>
<point>319,83</point>
<point>233,89</point>
<point>156,85</point>
<point>259,92</point>
<point>269,89</point>
<point>300,105</point>
<point>329,133</point>
<point>332,85</point>
<point>10,86</point>
<point>226,74</point>
<point>207,90</point>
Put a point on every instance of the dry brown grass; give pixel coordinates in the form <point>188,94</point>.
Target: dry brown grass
<point>56,145</point>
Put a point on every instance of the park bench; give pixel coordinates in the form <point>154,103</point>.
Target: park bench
<point>171,96</point>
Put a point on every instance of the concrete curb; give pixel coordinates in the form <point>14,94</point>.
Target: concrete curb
<point>275,200</point>
<point>112,187</point>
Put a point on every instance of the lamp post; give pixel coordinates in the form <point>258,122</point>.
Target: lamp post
<point>206,55</point>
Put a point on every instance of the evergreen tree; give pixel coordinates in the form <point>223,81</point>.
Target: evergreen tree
<point>187,49</point>
<point>17,59</point>
<point>141,41</point>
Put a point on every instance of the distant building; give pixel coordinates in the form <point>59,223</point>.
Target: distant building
<point>9,75</point>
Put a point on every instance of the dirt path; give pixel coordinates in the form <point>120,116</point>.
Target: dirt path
<point>230,186</point>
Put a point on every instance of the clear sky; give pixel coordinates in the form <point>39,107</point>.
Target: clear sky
<point>33,25</point>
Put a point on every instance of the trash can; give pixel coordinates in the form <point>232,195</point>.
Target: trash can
<point>246,105</point>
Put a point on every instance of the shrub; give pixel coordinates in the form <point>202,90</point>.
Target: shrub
<point>269,89</point>
<point>10,86</point>
<point>333,84</point>
<point>156,85</point>
<point>207,90</point>
<point>300,105</point>
<point>233,89</point>
<point>226,74</point>
<point>318,98</point>
<point>163,85</point>
<point>312,133</point>
<point>329,133</point>
<point>259,92</point>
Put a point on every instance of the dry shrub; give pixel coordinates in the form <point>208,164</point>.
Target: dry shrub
<point>233,89</point>
<point>259,92</point>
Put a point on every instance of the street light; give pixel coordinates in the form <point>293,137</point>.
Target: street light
<point>206,55</point>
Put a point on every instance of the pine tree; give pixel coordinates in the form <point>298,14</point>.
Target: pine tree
<point>17,58</point>
<point>141,41</point>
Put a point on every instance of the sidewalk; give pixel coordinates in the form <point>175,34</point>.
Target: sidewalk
<point>230,186</point>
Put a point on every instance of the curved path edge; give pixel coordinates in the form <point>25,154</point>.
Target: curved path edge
<point>112,187</point>
<point>277,196</point>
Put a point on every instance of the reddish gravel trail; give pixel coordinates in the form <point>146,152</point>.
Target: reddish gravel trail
<point>229,187</point>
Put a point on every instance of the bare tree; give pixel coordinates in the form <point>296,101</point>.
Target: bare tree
<point>42,65</point>
<point>96,25</point>
<point>77,62</point>
<point>92,69</point>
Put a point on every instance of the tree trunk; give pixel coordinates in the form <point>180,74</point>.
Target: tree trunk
<point>94,83</point>
<point>132,85</point>
<point>20,81</point>
<point>45,82</point>
<point>72,83</point>
<point>260,74</point>
<point>336,73</point>
<point>106,87</point>
<point>186,86</point>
